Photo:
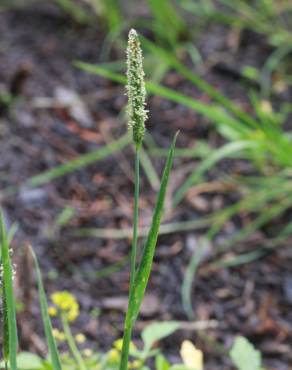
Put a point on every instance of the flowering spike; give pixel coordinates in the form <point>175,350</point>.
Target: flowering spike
<point>136,88</point>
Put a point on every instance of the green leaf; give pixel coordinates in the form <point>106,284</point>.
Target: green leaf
<point>244,355</point>
<point>170,59</point>
<point>54,355</point>
<point>29,361</point>
<point>10,329</point>
<point>77,12</point>
<point>189,276</point>
<point>79,162</point>
<point>143,273</point>
<point>165,17</point>
<point>158,331</point>
<point>225,151</point>
<point>212,111</point>
<point>161,363</point>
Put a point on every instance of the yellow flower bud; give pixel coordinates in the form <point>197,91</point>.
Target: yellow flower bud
<point>67,303</point>
<point>52,311</point>
<point>80,338</point>
<point>113,356</point>
<point>87,352</point>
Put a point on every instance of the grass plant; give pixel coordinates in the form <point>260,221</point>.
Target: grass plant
<point>257,138</point>
<point>139,276</point>
<point>137,116</point>
<point>270,19</point>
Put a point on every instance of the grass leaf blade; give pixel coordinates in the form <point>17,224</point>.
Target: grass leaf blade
<point>79,162</point>
<point>10,326</point>
<point>211,111</point>
<point>172,61</point>
<point>144,270</point>
<point>225,151</point>
<point>46,318</point>
<point>137,289</point>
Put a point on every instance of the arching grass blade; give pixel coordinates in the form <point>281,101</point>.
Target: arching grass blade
<point>144,270</point>
<point>53,351</point>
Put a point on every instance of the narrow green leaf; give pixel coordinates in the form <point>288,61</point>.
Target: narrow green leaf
<point>137,289</point>
<point>211,111</point>
<point>5,327</point>
<point>166,17</point>
<point>161,363</point>
<point>10,328</point>
<point>272,211</point>
<point>189,276</point>
<point>126,233</point>
<point>54,355</point>
<point>144,270</point>
<point>172,61</point>
<point>221,153</point>
<point>79,162</point>
<point>77,12</point>
<point>11,233</point>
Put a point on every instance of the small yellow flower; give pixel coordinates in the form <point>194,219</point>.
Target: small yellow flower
<point>87,352</point>
<point>73,313</point>
<point>191,356</point>
<point>118,344</point>
<point>80,338</point>
<point>136,364</point>
<point>113,356</point>
<point>59,335</point>
<point>67,303</point>
<point>266,107</point>
<point>63,299</point>
<point>52,311</point>
<point>57,298</point>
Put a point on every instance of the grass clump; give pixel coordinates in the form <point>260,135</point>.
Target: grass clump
<point>257,137</point>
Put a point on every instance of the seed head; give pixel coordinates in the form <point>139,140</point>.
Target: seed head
<point>137,114</point>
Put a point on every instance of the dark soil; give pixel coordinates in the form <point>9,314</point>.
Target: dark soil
<point>37,47</point>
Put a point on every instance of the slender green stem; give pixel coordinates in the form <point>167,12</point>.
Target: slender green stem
<point>71,342</point>
<point>135,217</point>
<point>129,323</point>
<point>126,343</point>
